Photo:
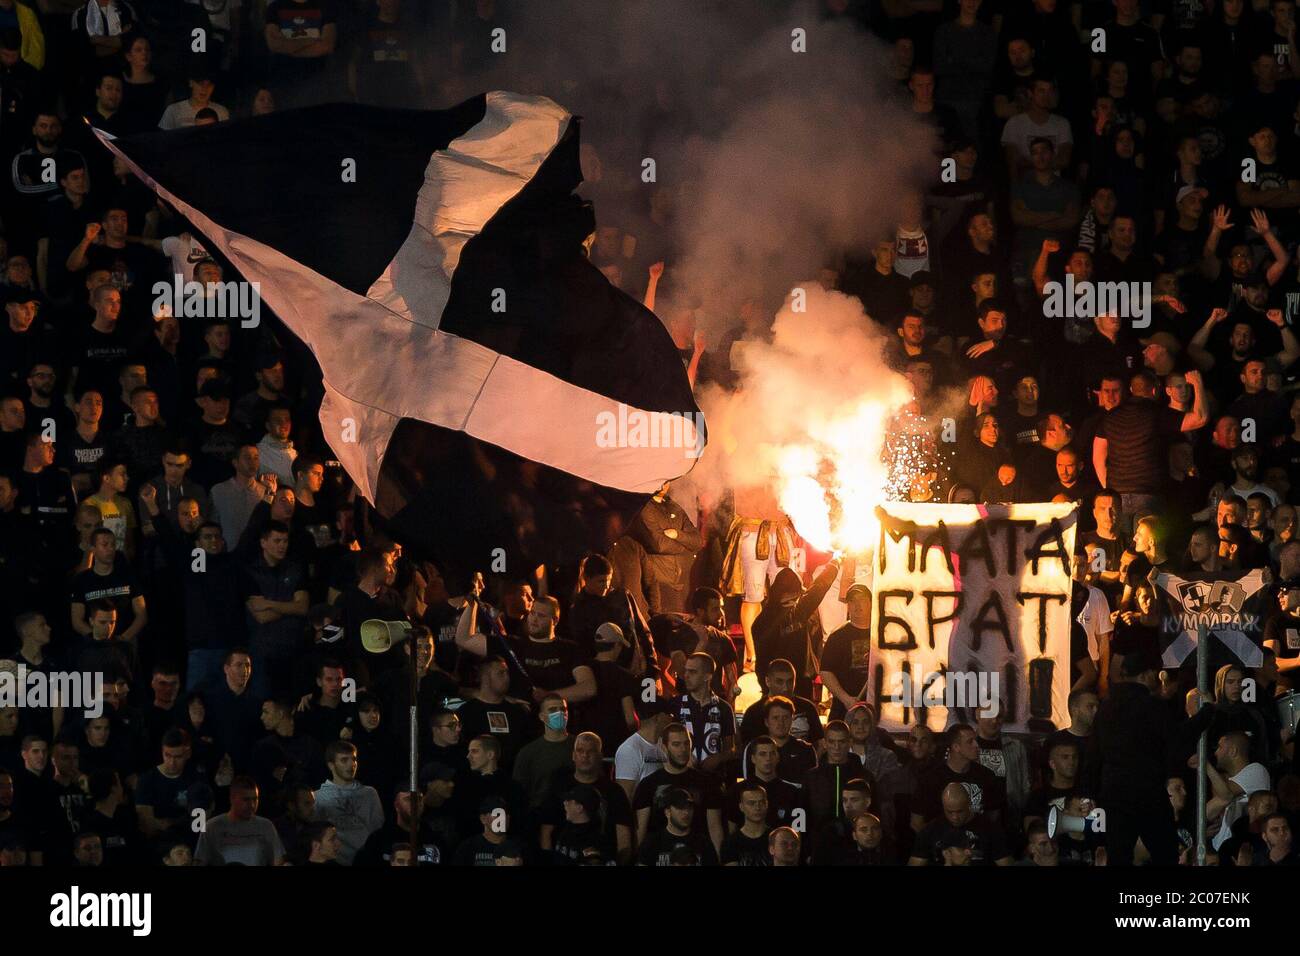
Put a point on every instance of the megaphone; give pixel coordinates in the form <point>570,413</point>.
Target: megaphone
<point>378,636</point>
<point>1058,821</point>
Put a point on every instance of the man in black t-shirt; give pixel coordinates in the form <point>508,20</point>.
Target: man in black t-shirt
<point>679,830</point>
<point>108,578</point>
<point>97,349</point>
<point>987,794</point>
<point>783,796</point>
<point>704,790</point>
<point>612,814</point>
<point>553,665</point>
<point>959,824</point>
<point>747,844</point>
<point>611,714</point>
<point>846,656</point>
<point>491,713</point>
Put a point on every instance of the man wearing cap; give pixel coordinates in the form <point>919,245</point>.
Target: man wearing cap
<point>202,82</point>
<point>710,719</point>
<point>612,712</point>
<point>679,830</point>
<point>1159,352</point>
<point>216,439</point>
<point>23,340</point>
<point>1181,248</point>
<point>495,843</point>
<point>580,836</point>
<point>846,656</point>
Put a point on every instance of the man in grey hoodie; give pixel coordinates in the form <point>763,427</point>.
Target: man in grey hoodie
<point>353,808</point>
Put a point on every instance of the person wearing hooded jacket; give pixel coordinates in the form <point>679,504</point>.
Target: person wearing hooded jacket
<point>788,626</point>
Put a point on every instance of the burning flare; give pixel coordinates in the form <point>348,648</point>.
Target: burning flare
<point>813,415</point>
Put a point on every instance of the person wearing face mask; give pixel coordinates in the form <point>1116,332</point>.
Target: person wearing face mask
<point>539,761</point>
<point>788,626</point>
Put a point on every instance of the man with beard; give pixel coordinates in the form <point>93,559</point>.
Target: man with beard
<point>995,355</point>
<point>704,791</point>
<point>1071,483</point>
<point>553,665</point>
<point>433,847</point>
<point>710,719</point>
<point>41,405</point>
<point>30,183</point>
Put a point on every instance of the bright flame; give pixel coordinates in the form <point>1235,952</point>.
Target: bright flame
<point>816,420</point>
<point>830,485</point>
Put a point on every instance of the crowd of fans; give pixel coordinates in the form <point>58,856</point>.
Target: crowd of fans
<point>171,517</point>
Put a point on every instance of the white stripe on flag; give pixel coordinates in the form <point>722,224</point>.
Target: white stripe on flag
<point>381,365</point>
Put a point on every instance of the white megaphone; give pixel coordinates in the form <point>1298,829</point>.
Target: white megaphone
<point>378,636</point>
<point>1062,822</point>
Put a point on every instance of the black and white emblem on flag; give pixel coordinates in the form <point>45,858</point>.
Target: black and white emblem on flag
<point>1229,607</point>
<point>469,350</point>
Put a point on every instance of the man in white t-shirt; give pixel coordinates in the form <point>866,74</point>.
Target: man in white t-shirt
<point>1233,778</point>
<point>183,113</point>
<point>639,755</point>
<point>185,252</point>
<point>1037,121</point>
<point>1094,618</point>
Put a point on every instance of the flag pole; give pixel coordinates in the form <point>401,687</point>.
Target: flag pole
<point>414,754</point>
<point>1202,780</point>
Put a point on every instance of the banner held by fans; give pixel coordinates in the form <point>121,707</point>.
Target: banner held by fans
<point>972,608</point>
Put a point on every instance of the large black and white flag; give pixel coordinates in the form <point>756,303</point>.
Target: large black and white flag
<point>480,373</point>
